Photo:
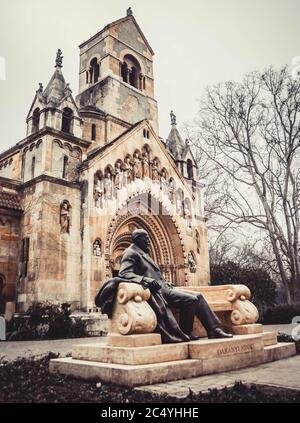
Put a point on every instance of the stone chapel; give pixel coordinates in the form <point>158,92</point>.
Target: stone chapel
<point>92,169</point>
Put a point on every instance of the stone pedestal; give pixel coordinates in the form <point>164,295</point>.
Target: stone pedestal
<point>136,360</point>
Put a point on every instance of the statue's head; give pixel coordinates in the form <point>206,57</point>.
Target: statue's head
<point>141,238</point>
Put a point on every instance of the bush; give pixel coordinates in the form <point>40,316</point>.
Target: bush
<point>46,321</point>
<point>262,287</point>
<point>281,314</point>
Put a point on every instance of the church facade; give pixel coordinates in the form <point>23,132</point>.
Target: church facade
<point>92,169</point>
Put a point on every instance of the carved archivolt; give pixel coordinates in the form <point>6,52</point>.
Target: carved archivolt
<point>165,247</point>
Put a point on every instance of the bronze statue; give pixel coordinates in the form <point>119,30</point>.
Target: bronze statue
<point>138,267</point>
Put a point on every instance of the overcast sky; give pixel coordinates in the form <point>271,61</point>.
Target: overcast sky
<point>196,43</point>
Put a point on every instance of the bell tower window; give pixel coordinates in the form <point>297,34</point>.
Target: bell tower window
<point>94,72</point>
<point>36,120</point>
<point>67,117</point>
<point>131,71</point>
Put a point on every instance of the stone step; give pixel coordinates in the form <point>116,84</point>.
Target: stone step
<point>279,351</point>
<point>124,375</point>
<point>269,338</point>
<point>246,329</point>
<point>131,356</point>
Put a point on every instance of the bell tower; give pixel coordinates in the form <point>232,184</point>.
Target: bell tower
<point>116,74</point>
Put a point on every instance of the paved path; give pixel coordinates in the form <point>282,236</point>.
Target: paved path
<point>12,350</point>
<point>282,373</point>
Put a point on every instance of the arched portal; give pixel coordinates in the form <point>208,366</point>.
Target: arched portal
<point>145,212</point>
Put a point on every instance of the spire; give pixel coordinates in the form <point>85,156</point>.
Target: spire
<point>57,88</point>
<point>175,143</point>
<point>59,57</point>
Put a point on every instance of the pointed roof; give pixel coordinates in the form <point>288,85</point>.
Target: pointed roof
<point>56,90</point>
<point>129,17</point>
<point>175,143</point>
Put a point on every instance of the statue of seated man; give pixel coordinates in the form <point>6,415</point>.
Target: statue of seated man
<point>138,267</point>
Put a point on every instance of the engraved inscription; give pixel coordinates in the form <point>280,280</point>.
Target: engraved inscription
<point>235,349</point>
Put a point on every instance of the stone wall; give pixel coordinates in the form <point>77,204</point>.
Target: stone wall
<point>10,231</point>
<point>54,268</point>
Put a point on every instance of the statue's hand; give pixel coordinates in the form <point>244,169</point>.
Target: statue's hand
<point>152,284</point>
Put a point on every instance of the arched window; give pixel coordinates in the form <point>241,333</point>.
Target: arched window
<point>131,71</point>
<point>32,167</point>
<point>67,116</point>
<point>94,71</point>
<point>97,250</point>
<point>190,169</point>
<point>93,132</point>
<point>65,167</point>
<point>36,120</point>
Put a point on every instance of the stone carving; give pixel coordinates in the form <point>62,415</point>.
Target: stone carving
<point>137,170</point>
<point>188,213</point>
<point>59,58</point>
<point>173,118</point>
<point>97,248</point>
<point>243,311</point>
<point>179,204</point>
<point>98,194</point>
<point>132,314</point>
<point>65,218</point>
<point>146,164</point>
<point>118,176</point>
<point>127,170</point>
<point>108,186</point>
<point>155,172</point>
<point>164,183</point>
<point>172,190</point>
<point>192,263</point>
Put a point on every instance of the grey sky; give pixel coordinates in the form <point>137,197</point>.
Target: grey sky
<point>197,43</point>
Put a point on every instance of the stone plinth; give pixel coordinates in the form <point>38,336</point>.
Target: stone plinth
<point>146,340</point>
<point>131,356</point>
<point>145,365</point>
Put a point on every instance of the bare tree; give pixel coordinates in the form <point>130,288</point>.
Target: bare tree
<point>250,132</point>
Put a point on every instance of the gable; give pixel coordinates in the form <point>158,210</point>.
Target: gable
<point>134,141</point>
<point>37,103</point>
<point>128,31</point>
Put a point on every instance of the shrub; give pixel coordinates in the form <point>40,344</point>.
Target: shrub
<point>46,321</point>
<point>262,287</point>
<point>281,314</point>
